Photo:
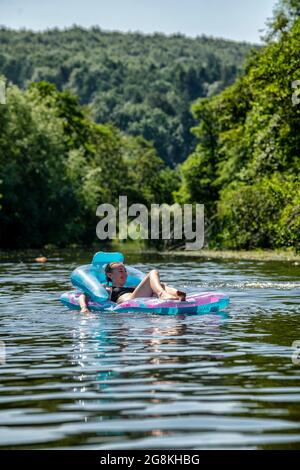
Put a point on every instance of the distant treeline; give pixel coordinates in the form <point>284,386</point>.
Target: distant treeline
<point>57,164</point>
<point>143,84</point>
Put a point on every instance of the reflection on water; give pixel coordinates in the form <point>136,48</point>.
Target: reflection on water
<point>116,381</point>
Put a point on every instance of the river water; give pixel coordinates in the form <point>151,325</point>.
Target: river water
<point>140,381</point>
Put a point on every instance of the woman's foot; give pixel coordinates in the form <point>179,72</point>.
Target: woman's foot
<point>84,310</point>
<point>163,295</point>
<point>181,295</point>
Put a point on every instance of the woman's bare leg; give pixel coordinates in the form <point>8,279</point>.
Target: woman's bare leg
<point>147,287</point>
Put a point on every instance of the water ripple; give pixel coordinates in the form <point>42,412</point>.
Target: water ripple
<point>111,381</point>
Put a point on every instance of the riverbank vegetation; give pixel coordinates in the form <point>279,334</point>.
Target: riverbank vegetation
<point>57,165</point>
<point>60,157</point>
<point>245,168</point>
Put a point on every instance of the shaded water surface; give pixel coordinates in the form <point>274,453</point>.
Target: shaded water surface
<point>129,381</point>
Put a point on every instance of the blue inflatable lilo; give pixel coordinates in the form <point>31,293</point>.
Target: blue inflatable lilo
<point>91,280</point>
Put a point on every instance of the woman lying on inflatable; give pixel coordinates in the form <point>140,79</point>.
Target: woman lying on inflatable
<point>150,286</point>
<point>132,291</point>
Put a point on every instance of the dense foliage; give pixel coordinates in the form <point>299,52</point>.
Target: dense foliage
<point>143,84</point>
<point>57,166</point>
<point>246,165</point>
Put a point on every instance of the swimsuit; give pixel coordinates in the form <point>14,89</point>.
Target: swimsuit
<point>118,291</point>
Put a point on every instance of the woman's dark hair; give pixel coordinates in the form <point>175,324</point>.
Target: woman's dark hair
<point>108,270</point>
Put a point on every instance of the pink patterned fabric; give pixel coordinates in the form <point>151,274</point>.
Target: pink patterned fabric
<point>192,300</point>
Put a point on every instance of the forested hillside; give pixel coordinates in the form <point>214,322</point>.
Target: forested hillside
<point>143,84</point>
<point>57,164</point>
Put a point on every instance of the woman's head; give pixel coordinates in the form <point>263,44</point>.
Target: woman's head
<point>116,273</point>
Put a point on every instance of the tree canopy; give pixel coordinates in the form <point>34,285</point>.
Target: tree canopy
<point>94,115</point>
<point>57,165</point>
<point>142,84</point>
<point>245,167</point>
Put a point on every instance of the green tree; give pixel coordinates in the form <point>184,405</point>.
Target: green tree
<point>247,136</point>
